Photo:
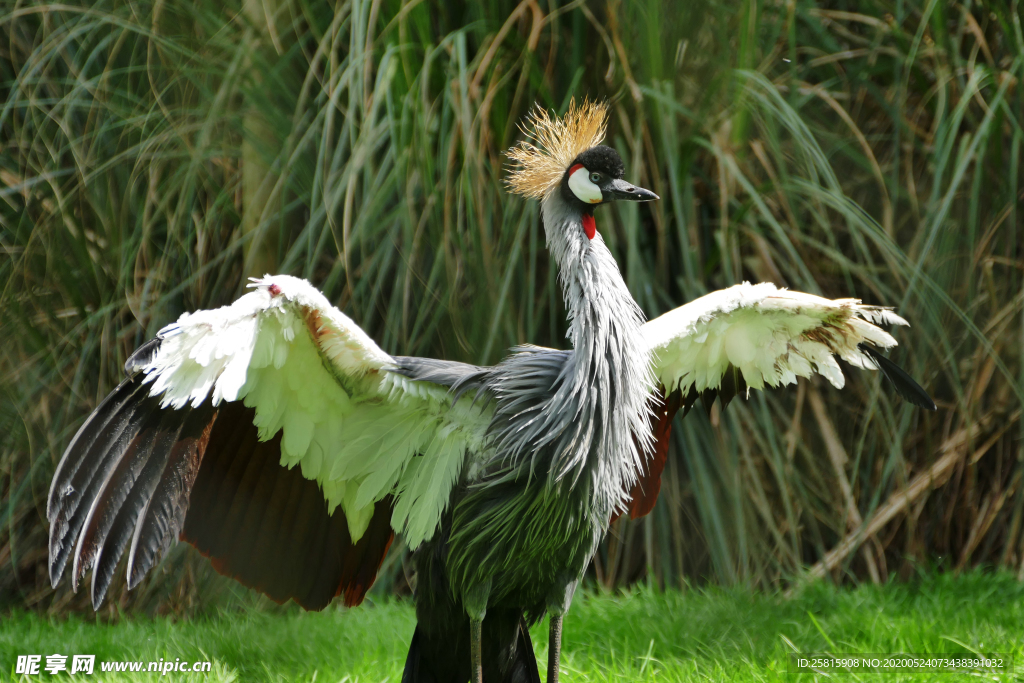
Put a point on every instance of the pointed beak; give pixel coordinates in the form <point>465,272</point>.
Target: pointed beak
<point>618,190</point>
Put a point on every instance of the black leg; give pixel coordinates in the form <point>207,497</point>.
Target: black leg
<point>554,647</point>
<point>476,658</point>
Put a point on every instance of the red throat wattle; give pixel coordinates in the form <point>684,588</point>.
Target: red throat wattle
<point>589,226</point>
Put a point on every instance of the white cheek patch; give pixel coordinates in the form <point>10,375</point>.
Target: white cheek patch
<point>579,183</point>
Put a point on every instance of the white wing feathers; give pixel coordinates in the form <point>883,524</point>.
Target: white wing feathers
<point>363,433</point>
<point>310,371</point>
<point>771,336</point>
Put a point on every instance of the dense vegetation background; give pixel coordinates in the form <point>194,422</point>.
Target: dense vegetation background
<point>155,153</point>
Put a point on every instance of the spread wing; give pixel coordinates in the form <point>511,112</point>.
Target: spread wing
<point>274,436</point>
<point>749,336</point>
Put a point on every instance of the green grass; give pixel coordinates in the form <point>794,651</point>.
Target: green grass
<point>713,635</point>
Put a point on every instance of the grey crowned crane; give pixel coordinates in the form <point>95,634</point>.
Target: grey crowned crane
<point>277,438</point>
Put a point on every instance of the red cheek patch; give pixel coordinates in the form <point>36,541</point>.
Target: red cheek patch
<point>589,226</point>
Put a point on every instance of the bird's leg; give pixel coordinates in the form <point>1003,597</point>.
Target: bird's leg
<point>554,647</point>
<point>475,602</point>
<point>475,655</point>
<point>558,604</point>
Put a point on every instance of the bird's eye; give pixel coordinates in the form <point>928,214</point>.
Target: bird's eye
<point>595,177</point>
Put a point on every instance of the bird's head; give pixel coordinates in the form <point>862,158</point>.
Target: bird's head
<point>595,177</point>
<point>563,159</point>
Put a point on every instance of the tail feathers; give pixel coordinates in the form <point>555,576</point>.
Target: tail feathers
<point>904,384</point>
<point>416,670</point>
<point>446,660</point>
<point>524,668</point>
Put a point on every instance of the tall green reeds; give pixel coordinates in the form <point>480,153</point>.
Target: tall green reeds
<point>154,154</point>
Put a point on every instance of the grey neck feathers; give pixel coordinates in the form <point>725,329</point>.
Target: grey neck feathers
<point>608,378</point>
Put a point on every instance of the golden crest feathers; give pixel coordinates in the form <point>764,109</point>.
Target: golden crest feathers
<point>551,144</point>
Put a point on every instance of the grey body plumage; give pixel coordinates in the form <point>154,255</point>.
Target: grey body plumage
<point>564,444</point>
<point>561,449</point>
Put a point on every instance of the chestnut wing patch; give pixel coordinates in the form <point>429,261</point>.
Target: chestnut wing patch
<point>268,527</point>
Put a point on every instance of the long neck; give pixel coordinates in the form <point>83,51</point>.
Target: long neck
<point>610,376</point>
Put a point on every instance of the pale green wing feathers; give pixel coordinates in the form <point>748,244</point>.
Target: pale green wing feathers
<point>357,429</point>
<point>772,336</point>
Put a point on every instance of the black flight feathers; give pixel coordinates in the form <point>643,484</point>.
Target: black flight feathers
<point>142,356</point>
<point>904,384</point>
<point>123,482</point>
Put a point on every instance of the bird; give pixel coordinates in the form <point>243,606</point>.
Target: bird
<point>276,437</point>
